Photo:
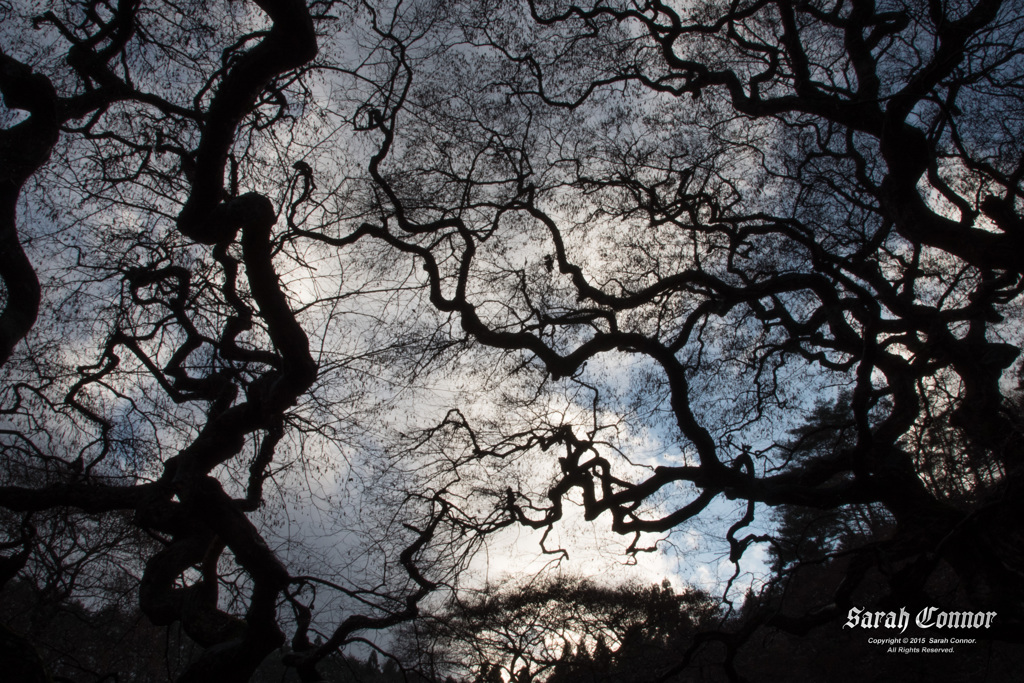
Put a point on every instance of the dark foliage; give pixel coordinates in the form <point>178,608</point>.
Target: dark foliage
<point>561,629</point>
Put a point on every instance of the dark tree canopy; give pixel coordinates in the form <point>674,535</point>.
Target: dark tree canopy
<point>561,629</point>
<point>304,301</point>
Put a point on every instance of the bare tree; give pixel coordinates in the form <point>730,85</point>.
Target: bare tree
<point>235,236</point>
<point>156,335</point>
<point>735,211</point>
